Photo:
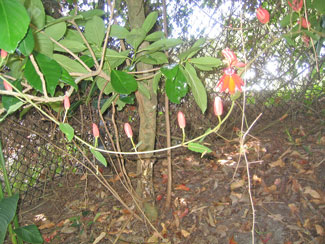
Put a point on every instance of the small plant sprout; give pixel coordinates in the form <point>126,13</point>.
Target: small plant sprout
<point>96,134</point>
<point>218,107</point>
<point>182,123</point>
<point>129,133</point>
<point>263,15</point>
<point>66,104</point>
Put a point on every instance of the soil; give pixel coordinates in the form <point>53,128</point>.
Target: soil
<point>210,196</point>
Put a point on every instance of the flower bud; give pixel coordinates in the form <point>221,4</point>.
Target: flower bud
<point>66,102</point>
<point>95,130</point>
<point>263,15</point>
<point>218,106</point>
<point>3,54</point>
<point>7,86</point>
<point>128,130</point>
<point>181,120</point>
<point>230,56</point>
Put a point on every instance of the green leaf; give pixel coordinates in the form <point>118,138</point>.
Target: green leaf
<point>67,79</point>
<point>30,234</point>
<point>157,35</point>
<point>319,6</point>
<point>163,44</point>
<point>203,67</point>
<point>13,25</point>
<point>312,35</point>
<point>43,44</point>
<point>114,58</point>
<point>69,64</point>
<point>135,37</point>
<point>89,61</point>
<point>26,46</point>
<point>36,12</point>
<point>107,103</point>
<point>197,87</point>
<point>91,13</point>
<point>99,157</point>
<point>143,90</point>
<point>67,130</point>
<point>206,61</point>
<point>11,110</point>
<point>196,147</point>
<point>101,82</point>
<point>235,96</point>
<point>123,82</point>
<point>154,58</point>
<point>95,31</point>
<point>118,32</point>
<point>120,104</point>
<point>155,82</point>
<point>56,31</point>
<point>73,46</point>
<point>197,46</point>
<point>8,207</point>
<point>73,35</point>
<point>127,99</point>
<point>176,85</point>
<point>150,21</point>
<point>290,18</point>
<point>49,68</point>
<point>9,101</point>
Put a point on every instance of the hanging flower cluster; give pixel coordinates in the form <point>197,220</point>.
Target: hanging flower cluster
<point>230,80</point>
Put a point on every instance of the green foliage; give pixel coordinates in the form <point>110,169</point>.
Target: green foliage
<point>99,157</point>
<point>30,234</point>
<point>122,82</point>
<point>8,208</point>
<point>13,25</point>
<point>67,130</point>
<point>196,147</point>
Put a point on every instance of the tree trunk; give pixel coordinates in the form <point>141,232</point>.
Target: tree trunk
<point>147,109</point>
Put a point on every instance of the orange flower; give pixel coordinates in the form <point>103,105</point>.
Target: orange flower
<point>295,5</point>
<point>230,80</point>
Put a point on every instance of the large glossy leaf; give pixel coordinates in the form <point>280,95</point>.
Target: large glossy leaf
<point>8,101</point>
<point>13,24</point>
<point>8,208</point>
<point>157,35</point>
<point>67,79</point>
<point>135,37</point>
<point>43,44</point>
<point>123,82</point>
<point>176,85</point>
<point>56,31</point>
<point>197,46</point>
<point>118,32</point>
<point>101,82</point>
<point>36,12</point>
<point>149,21</point>
<point>116,58</point>
<point>26,46</point>
<point>30,234</point>
<point>69,64</point>
<point>154,58</point>
<point>73,46</point>
<point>95,31</point>
<point>162,44</point>
<point>50,69</point>
<point>197,87</point>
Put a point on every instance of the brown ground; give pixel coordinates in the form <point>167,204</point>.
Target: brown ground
<point>208,204</point>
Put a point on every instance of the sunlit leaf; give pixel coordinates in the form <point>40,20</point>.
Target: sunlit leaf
<point>155,36</point>
<point>67,130</point>
<point>154,58</point>
<point>123,82</point>
<point>149,21</point>
<point>99,157</point>
<point>13,25</point>
<point>36,12</point>
<point>196,147</point>
<point>118,32</point>
<point>95,31</point>
<point>69,64</point>
<point>135,37</point>
<point>56,31</point>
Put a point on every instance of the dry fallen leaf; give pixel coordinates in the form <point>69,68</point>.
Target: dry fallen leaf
<point>293,208</point>
<point>237,184</point>
<point>319,230</point>
<point>279,163</point>
<point>99,238</point>
<point>313,193</point>
<point>185,233</point>
<point>46,225</point>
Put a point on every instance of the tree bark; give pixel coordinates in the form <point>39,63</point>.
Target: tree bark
<point>147,109</point>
